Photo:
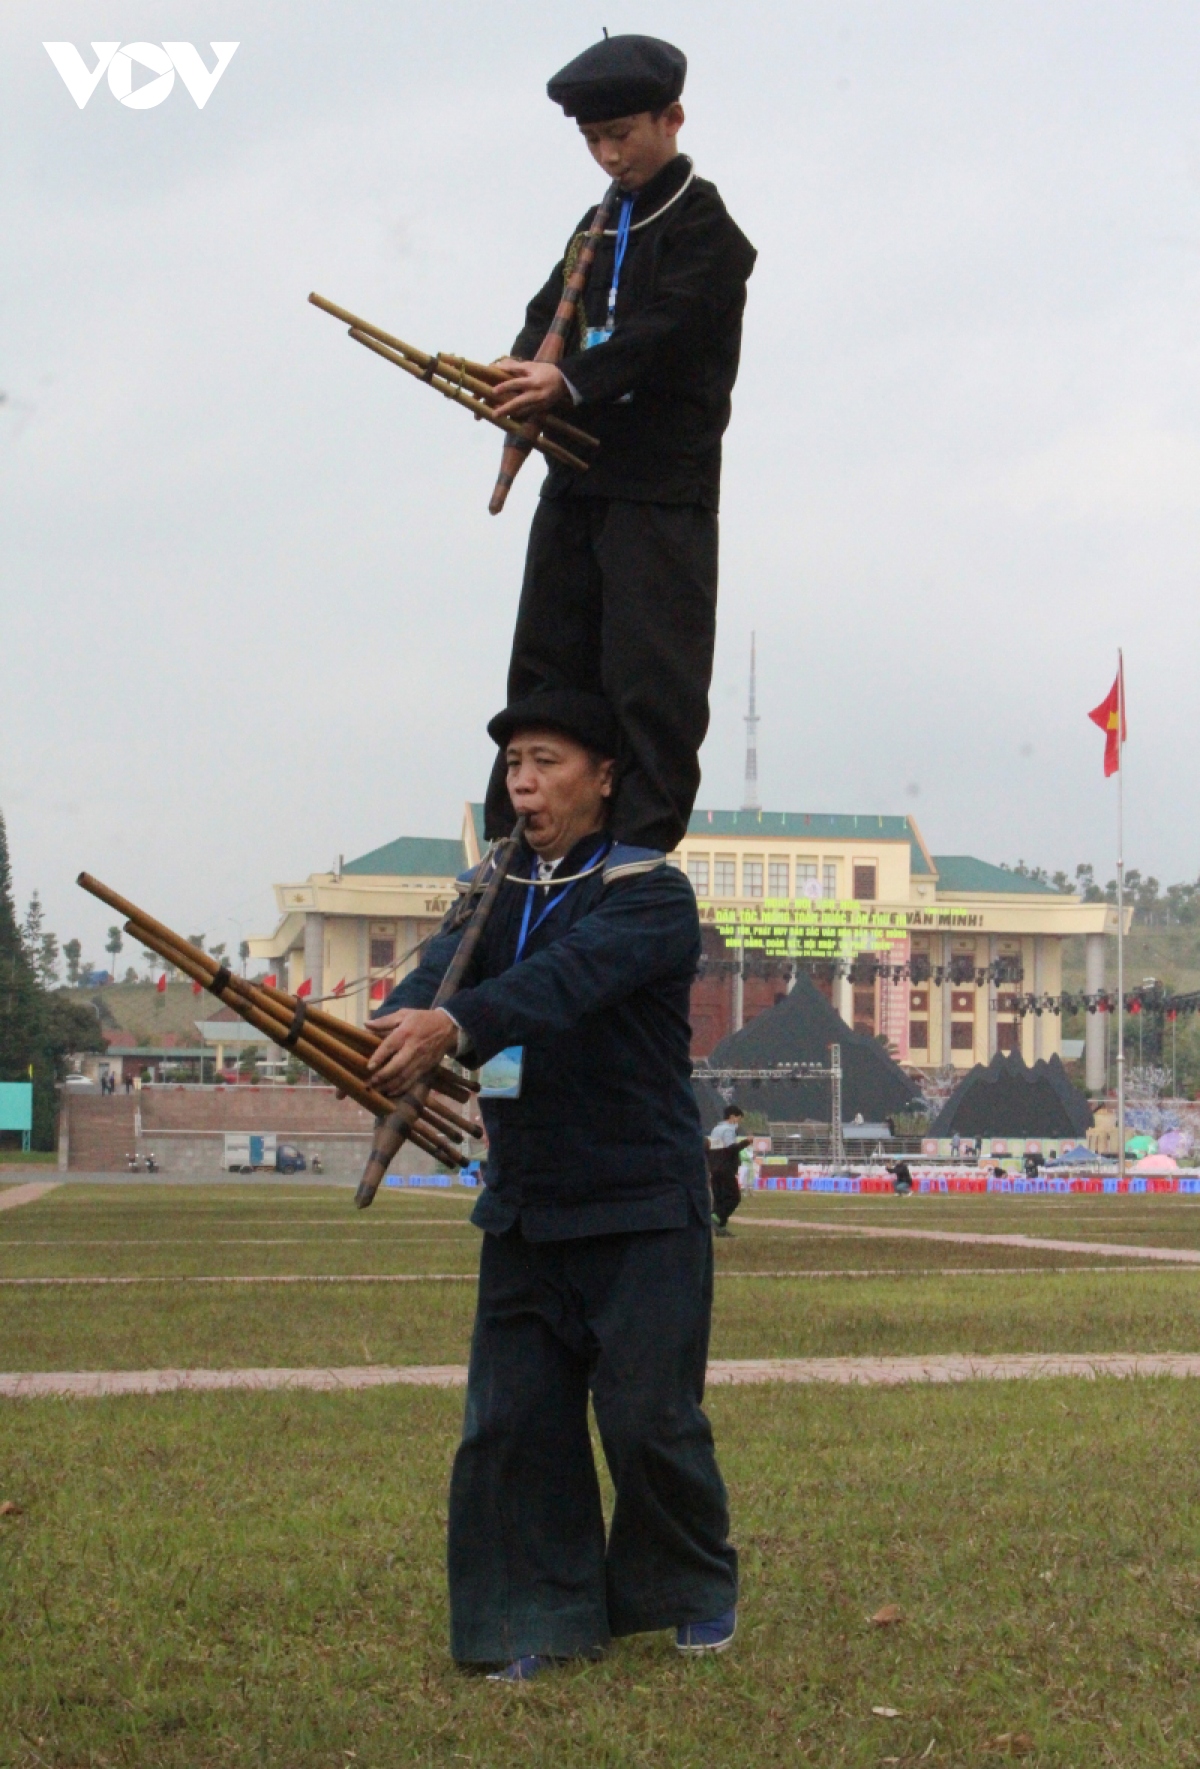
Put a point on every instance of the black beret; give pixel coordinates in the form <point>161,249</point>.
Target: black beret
<point>618,77</point>
<point>587,718</point>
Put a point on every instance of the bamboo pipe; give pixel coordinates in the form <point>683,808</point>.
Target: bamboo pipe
<point>450,389</point>
<point>479,378</point>
<point>485,373</point>
<point>270,1000</point>
<point>188,959</point>
<point>552,347</point>
<point>390,1132</point>
<point>439,1126</point>
<point>202,967</point>
<point>179,955</point>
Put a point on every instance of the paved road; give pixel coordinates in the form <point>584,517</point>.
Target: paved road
<point>882,1372</point>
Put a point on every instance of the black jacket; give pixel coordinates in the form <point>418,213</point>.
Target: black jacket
<point>606,1135</point>
<point>675,347</point>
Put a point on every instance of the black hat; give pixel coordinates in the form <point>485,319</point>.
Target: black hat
<point>618,77</point>
<point>587,718</point>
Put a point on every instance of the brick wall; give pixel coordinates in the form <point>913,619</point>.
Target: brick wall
<point>292,1111</point>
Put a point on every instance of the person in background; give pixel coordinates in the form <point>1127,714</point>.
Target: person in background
<point>724,1152</point>
<point>902,1179</point>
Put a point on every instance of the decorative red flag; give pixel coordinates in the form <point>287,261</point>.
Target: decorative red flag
<point>1110,716</point>
<point>195,987</point>
<point>378,990</point>
<point>270,982</point>
<point>305,988</point>
<point>340,988</point>
<point>161,984</point>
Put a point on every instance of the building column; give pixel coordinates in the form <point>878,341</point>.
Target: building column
<point>992,991</point>
<point>739,989</point>
<point>1095,1024</point>
<point>314,952</point>
<point>843,999</point>
<point>1039,988</point>
<point>947,1002</point>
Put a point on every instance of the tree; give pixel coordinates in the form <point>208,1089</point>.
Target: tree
<point>197,940</point>
<point>217,952</point>
<point>31,930</point>
<point>47,961</point>
<point>36,1029</point>
<point>72,952</point>
<point>131,975</point>
<point>18,986</point>
<point>244,954</point>
<point>113,945</point>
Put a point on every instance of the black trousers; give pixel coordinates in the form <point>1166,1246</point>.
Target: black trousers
<point>530,1571</point>
<point>620,599</point>
<point>726,1191</point>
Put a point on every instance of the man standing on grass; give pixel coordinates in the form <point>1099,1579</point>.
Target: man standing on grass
<point>596,1264</point>
<point>724,1154</point>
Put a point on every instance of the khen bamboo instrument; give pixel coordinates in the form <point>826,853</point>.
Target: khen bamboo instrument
<point>390,1132</point>
<point>553,347</point>
<point>332,1048</point>
<point>468,384</point>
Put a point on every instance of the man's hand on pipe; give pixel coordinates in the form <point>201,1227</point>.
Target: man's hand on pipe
<point>531,389</point>
<point>416,1041</point>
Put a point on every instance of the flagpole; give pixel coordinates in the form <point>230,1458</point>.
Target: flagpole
<point>1120,915</point>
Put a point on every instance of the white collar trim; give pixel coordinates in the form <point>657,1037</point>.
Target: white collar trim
<point>661,210</point>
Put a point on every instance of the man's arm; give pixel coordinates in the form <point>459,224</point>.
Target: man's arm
<point>703,271</point>
<point>644,930</point>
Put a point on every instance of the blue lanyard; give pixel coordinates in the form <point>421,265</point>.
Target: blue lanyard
<point>553,903</point>
<point>619,258</point>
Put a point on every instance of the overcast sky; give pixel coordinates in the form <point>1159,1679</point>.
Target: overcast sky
<point>254,611</point>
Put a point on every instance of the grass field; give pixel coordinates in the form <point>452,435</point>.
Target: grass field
<point>257,1578</point>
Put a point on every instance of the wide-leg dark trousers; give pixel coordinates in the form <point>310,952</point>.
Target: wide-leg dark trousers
<point>620,599</point>
<point>530,1570</point>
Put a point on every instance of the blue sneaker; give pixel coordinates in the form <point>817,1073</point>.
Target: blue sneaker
<point>522,1670</point>
<point>694,1638</point>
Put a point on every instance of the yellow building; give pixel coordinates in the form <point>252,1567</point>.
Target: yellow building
<point>954,940</point>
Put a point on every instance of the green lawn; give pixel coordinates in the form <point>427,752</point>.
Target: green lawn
<point>257,1579</point>
<point>224,1579</point>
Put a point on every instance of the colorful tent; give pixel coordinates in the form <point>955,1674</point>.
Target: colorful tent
<point>1157,1166</point>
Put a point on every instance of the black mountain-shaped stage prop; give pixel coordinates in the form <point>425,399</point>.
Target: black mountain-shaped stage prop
<point>800,1029</point>
<point>1008,1098</point>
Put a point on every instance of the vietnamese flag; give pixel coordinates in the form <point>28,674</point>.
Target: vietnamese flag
<point>161,984</point>
<point>340,988</point>
<point>305,989</point>
<point>1110,716</point>
<point>378,990</point>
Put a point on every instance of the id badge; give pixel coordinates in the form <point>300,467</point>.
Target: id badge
<point>500,1076</point>
<point>595,335</point>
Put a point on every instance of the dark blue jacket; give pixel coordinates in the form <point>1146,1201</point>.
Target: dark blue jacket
<point>606,1136</point>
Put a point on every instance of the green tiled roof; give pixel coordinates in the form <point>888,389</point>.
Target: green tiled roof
<point>412,856</point>
<point>962,872</point>
<point>815,826</point>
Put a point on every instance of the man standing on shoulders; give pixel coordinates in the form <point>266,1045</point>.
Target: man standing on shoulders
<point>620,589</point>
<point>596,1264</point>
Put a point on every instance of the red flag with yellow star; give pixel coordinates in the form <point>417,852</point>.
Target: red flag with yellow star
<point>1110,716</point>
